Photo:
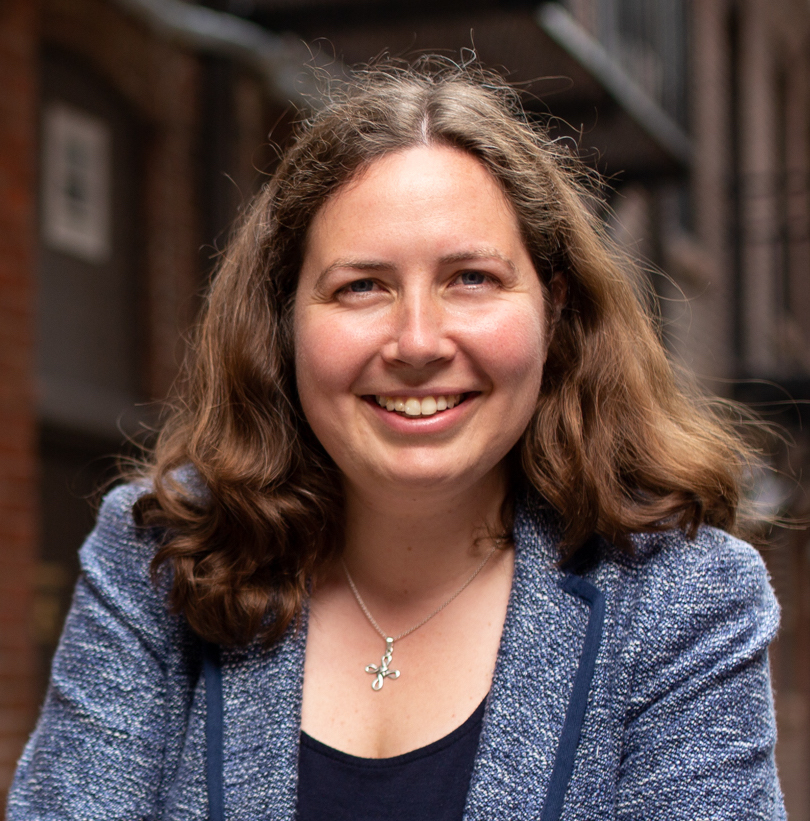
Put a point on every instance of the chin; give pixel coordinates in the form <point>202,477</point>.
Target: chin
<point>415,480</point>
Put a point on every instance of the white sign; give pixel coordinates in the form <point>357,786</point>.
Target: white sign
<point>76,179</point>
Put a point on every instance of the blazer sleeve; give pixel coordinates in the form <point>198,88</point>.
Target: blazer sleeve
<point>97,750</point>
<point>700,731</point>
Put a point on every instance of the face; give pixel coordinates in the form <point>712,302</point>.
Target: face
<point>420,325</point>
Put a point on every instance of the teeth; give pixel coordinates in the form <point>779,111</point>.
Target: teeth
<point>411,406</point>
<point>429,406</point>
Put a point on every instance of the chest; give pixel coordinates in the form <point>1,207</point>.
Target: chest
<point>553,682</point>
<point>374,700</point>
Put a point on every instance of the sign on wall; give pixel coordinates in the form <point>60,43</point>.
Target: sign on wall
<point>76,179</point>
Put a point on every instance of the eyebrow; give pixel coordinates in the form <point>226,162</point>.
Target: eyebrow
<point>478,254</point>
<point>379,265</point>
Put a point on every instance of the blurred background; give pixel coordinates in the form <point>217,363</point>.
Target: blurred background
<point>132,131</point>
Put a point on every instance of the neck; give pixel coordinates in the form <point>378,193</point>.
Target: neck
<point>420,546</point>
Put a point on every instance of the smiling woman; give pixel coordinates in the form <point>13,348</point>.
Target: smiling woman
<point>433,533</point>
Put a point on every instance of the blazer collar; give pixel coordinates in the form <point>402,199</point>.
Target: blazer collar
<point>533,718</point>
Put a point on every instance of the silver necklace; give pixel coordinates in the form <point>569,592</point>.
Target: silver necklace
<point>382,671</point>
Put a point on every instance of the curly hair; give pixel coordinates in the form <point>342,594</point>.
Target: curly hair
<point>617,444</point>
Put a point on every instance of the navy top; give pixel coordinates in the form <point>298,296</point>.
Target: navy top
<point>430,783</point>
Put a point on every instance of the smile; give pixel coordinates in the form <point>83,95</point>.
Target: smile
<point>415,407</point>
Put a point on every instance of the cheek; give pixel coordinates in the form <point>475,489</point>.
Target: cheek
<point>328,360</point>
<point>310,375</point>
<point>315,375</point>
<point>515,349</point>
<point>314,380</point>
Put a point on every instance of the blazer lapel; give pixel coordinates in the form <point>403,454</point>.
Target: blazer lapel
<point>540,686</point>
<point>261,725</point>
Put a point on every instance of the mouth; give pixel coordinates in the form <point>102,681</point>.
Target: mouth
<point>418,407</point>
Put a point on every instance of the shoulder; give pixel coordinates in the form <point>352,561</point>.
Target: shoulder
<point>712,577</point>
<point>666,568</point>
<point>697,600</point>
<point>673,593</point>
<point>115,561</point>
<point>117,544</point>
<point>695,616</point>
<point>684,598</point>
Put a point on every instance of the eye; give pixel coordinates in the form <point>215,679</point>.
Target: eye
<point>361,286</point>
<point>473,278</point>
<point>359,291</point>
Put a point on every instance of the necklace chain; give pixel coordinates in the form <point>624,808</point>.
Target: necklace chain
<point>425,620</point>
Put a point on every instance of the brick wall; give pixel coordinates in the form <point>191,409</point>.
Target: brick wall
<point>161,84</point>
<point>18,536</point>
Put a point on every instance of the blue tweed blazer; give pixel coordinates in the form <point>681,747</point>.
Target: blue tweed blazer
<point>635,689</point>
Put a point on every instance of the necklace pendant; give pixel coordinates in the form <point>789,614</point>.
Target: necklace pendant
<point>382,672</point>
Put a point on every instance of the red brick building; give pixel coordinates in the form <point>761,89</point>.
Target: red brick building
<point>155,116</point>
<point>18,458</point>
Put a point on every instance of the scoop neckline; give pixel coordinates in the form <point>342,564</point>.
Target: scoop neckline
<point>434,747</point>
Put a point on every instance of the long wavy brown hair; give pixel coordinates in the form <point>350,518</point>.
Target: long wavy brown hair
<point>249,503</point>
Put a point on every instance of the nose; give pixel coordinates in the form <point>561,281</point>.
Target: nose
<point>419,332</point>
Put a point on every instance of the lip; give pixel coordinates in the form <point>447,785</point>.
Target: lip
<point>421,393</point>
<point>436,423</point>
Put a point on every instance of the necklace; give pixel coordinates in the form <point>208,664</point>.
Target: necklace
<point>382,671</point>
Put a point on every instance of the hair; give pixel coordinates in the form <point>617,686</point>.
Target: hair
<point>249,503</point>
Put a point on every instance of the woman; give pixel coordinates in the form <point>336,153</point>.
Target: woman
<point>434,534</point>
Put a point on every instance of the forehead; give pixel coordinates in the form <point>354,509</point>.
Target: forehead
<point>437,195</point>
<point>410,168</point>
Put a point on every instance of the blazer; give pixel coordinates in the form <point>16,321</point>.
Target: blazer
<point>632,688</point>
